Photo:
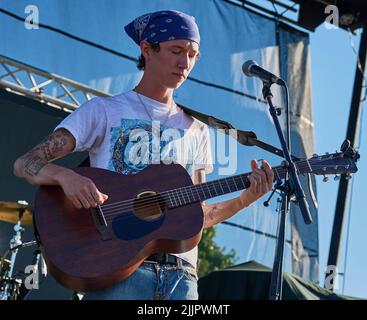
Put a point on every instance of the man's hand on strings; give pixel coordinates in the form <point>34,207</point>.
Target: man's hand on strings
<point>261,180</point>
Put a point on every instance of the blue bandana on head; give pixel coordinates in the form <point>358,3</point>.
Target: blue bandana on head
<point>162,26</point>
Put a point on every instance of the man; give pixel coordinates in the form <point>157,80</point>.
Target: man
<point>112,128</point>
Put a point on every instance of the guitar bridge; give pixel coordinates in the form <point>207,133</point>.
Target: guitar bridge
<point>101,223</point>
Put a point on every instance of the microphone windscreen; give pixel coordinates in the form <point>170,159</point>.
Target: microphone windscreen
<point>247,66</point>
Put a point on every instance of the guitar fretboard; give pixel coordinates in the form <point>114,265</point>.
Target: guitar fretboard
<point>200,192</point>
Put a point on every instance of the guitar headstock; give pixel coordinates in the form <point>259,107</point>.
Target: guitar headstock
<point>343,162</point>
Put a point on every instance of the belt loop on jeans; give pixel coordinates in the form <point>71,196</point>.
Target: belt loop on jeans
<point>179,262</point>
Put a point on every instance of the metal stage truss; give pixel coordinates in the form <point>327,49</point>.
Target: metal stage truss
<point>46,87</point>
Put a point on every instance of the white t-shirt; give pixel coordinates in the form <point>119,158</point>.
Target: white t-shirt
<point>117,133</point>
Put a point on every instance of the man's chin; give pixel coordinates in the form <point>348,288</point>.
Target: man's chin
<point>173,84</point>
<point>176,85</point>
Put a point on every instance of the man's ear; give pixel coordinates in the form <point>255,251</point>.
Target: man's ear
<point>146,50</point>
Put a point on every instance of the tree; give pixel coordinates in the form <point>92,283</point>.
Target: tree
<point>211,256</point>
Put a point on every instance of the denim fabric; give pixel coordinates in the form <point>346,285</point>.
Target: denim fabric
<point>153,281</point>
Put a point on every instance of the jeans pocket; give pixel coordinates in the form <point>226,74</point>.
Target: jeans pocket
<point>190,274</point>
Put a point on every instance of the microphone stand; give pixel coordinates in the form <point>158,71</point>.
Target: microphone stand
<point>290,187</point>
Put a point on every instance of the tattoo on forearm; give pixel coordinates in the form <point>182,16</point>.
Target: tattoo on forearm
<point>49,149</point>
<point>53,144</point>
<point>33,165</point>
<point>212,212</point>
<point>210,215</point>
<point>59,141</point>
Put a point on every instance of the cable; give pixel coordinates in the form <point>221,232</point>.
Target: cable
<point>359,66</point>
<point>93,44</point>
<point>268,235</point>
<point>69,35</point>
<point>287,121</point>
<point>288,124</point>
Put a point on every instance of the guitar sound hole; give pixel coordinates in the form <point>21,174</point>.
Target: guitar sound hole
<point>148,206</point>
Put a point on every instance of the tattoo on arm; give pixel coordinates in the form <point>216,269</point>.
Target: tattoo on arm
<point>33,165</point>
<point>56,145</point>
<point>211,214</point>
<point>53,144</point>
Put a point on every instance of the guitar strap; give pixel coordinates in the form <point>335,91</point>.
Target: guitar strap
<point>247,138</point>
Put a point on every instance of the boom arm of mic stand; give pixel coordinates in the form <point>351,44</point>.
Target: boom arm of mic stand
<point>294,179</point>
<point>246,138</point>
<point>269,148</point>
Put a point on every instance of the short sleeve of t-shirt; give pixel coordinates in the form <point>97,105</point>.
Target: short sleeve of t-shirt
<point>87,124</point>
<point>203,158</point>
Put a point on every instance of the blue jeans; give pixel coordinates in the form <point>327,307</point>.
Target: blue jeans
<point>153,281</point>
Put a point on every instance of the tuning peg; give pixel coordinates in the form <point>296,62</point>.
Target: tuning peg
<point>336,178</point>
<point>325,179</point>
<point>348,176</point>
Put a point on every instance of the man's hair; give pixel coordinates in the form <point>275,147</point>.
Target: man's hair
<point>141,59</point>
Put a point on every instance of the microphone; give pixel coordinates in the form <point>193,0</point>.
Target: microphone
<point>251,69</point>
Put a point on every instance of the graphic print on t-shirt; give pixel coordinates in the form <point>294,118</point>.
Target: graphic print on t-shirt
<point>136,144</point>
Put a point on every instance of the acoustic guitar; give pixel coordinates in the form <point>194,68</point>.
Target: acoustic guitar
<point>155,210</point>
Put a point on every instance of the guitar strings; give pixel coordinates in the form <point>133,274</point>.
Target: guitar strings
<point>152,200</point>
<point>210,184</point>
<point>127,203</point>
<point>111,213</point>
<point>128,215</point>
<point>178,200</point>
<point>217,182</point>
<point>181,201</point>
<point>125,216</point>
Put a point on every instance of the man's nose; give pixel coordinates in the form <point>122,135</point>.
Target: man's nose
<point>184,61</point>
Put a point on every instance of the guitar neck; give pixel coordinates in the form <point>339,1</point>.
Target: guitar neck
<point>200,192</point>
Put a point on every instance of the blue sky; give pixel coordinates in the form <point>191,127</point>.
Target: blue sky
<point>333,65</point>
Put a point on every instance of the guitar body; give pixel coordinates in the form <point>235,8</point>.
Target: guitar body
<point>85,254</point>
